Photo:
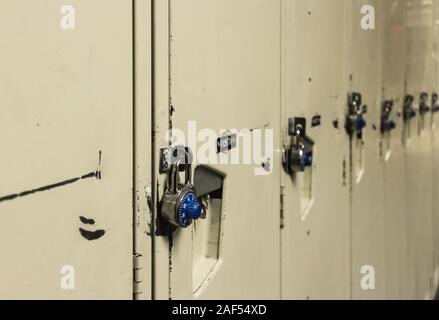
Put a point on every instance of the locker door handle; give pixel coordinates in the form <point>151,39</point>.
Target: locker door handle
<point>409,112</point>
<point>423,105</point>
<point>355,122</point>
<point>387,123</point>
<point>299,154</point>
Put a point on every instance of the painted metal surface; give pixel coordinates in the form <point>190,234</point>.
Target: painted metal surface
<point>142,156</point>
<point>66,131</point>
<point>367,228</point>
<point>435,146</point>
<point>86,105</point>
<point>224,65</point>
<point>392,152</point>
<point>315,228</point>
<point>418,142</point>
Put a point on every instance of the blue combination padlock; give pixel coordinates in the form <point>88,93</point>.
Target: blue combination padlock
<point>179,205</point>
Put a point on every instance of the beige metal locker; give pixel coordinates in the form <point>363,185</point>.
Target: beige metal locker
<point>392,150</point>
<point>66,97</point>
<point>224,73</point>
<point>315,232</point>
<point>367,228</point>
<point>435,144</point>
<point>418,150</point>
<point>142,156</point>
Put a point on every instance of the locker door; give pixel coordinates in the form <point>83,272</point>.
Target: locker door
<point>435,144</point>
<point>315,233</point>
<point>392,150</point>
<point>66,135</point>
<point>142,150</point>
<point>417,136</point>
<point>224,74</point>
<point>367,256</point>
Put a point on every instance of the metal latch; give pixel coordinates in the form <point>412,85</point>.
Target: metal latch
<point>387,123</point>
<point>355,122</point>
<point>423,103</point>
<point>300,153</point>
<point>408,112</point>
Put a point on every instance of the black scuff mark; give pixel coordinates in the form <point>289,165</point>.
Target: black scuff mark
<point>316,120</point>
<point>96,174</point>
<point>265,126</point>
<point>266,165</point>
<point>99,172</point>
<point>170,115</point>
<point>90,175</point>
<point>57,185</point>
<point>84,220</point>
<point>171,246</point>
<point>92,235</point>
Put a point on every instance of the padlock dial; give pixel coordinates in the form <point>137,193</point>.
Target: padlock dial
<point>188,209</point>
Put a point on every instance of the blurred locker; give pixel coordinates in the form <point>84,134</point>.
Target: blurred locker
<point>392,150</point>
<point>418,147</point>
<point>315,215</point>
<point>224,74</point>
<point>66,128</point>
<point>435,143</point>
<point>364,106</point>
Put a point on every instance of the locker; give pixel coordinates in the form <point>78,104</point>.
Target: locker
<point>220,149</point>
<point>66,166</point>
<point>392,151</point>
<point>367,227</point>
<point>435,146</point>
<point>142,155</point>
<point>223,72</point>
<point>418,144</point>
<point>315,224</point>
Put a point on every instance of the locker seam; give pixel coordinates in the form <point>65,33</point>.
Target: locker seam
<point>133,194</point>
<point>153,152</point>
<point>170,232</point>
<point>281,141</point>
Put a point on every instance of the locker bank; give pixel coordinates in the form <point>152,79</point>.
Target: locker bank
<point>219,149</point>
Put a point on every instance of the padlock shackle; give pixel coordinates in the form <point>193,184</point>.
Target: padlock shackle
<point>174,177</point>
<point>188,174</point>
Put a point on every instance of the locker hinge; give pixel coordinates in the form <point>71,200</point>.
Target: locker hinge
<point>137,277</point>
<point>282,207</point>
